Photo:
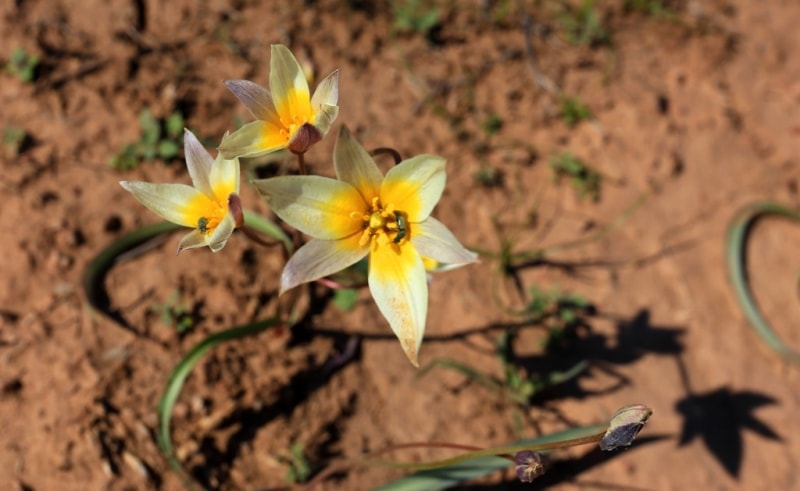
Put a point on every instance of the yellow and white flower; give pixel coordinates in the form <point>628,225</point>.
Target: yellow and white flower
<point>364,213</point>
<point>286,115</point>
<point>205,206</point>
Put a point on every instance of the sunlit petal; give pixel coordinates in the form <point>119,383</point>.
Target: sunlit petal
<point>432,239</point>
<point>173,202</point>
<point>321,207</point>
<point>192,240</point>
<point>415,186</point>
<point>398,284</point>
<point>320,258</point>
<point>288,85</point>
<point>253,139</point>
<point>255,98</point>
<point>354,165</point>
<point>216,241</point>
<point>199,163</point>
<point>327,92</point>
<point>224,177</point>
<point>325,117</point>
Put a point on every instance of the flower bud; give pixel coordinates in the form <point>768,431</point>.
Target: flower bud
<point>624,426</point>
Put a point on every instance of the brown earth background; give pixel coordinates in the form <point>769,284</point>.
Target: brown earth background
<point>694,113</point>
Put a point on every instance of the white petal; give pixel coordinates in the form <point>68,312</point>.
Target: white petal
<point>432,239</point>
<point>327,92</point>
<point>398,284</point>
<point>255,98</point>
<point>320,258</point>
<point>224,177</point>
<point>414,186</point>
<point>192,240</point>
<point>321,207</point>
<point>168,201</point>
<point>355,166</point>
<point>251,140</point>
<point>325,118</point>
<point>216,241</point>
<point>199,163</point>
<point>286,77</point>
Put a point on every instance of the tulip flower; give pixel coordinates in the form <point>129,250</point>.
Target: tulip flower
<point>205,206</point>
<point>286,115</point>
<point>361,213</point>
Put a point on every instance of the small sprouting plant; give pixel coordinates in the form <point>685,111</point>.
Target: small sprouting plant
<point>585,180</point>
<point>414,16</point>
<point>656,8</point>
<point>560,312</point>
<point>584,26</point>
<point>488,176</point>
<point>174,313</point>
<point>22,65</point>
<point>298,467</point>
<point>573,111</point>
<point>160,138</point>
<point>14,138</point>
<point>492,124</point>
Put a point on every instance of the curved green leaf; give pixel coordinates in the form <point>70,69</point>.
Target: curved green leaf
<point>737,267</point>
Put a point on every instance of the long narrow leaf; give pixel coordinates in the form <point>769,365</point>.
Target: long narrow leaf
<point>178,377</point>
<point>737,268</point>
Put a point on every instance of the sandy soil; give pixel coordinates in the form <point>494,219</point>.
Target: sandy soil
<point>694,115</point>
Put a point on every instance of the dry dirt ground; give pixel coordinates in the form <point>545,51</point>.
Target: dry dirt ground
<point>693,116</point>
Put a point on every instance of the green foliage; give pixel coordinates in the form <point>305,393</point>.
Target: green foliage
<point>656,8</point>
<point>174,313</point>
<point>22,65</point>
<point>345,298</point>
<point>14,139</point>
<point>585,180</point>
<point>414,16</point>
<point>488,177</point>
<point>573,111</point>
<point>159,139</point>
<point>299,469</point>
<point>492,124</point>
<point>584,26</point>
<point>561,313</point>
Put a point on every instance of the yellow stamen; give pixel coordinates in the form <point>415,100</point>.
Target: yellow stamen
<point>381,224</point>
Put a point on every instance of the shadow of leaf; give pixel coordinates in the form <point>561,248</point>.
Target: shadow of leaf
<point>718,418</point>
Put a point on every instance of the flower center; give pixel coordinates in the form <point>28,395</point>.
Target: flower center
<point>207,223</point>
<point>383,224</point>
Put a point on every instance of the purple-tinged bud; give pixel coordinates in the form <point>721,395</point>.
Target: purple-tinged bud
<point>529,465</point>
<point>305,137</point>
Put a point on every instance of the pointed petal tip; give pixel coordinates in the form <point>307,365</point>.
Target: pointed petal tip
<point>412,356</point>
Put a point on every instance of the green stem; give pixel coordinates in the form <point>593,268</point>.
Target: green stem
<point>596,433</point>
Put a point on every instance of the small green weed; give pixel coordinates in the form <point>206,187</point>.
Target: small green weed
<point>656,8</point>
<point>492,124</point>
<point>175,313</point>
<point>560,312</point>
<point>299,468</point>
<point>573,111</point>
<point>159,138</point>
<point>488,176</point>
<point>22,65</point>
<point>14,140</point>
<point>585,180</point>
<point>584,26</point>
<point>414,16</point>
